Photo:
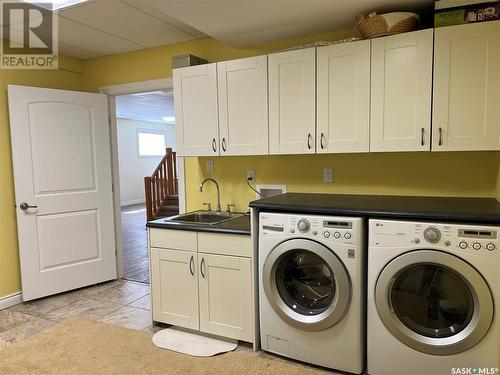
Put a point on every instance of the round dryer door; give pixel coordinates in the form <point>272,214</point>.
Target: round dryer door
<point>434,302</point>
<point>306,284</point>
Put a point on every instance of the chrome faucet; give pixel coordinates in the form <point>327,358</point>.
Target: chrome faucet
<point>218,191</point>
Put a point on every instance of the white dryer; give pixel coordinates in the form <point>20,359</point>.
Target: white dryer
<point>433,292</point>
<point>311,288</point>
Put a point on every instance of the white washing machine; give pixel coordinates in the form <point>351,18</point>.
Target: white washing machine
<point>311,288</point>
<point>433,292</point>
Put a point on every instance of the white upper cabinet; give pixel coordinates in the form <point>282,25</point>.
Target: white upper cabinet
<point>467,88</point>
<point>243,121</point>
<point>401,86</point>
<point>292,102</point>
<point>343,80</point>
<point>196,115</point>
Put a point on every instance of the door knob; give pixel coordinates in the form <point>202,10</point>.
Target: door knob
<point>24,206</point>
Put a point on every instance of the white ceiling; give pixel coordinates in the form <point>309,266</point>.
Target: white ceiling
<point>97,28</point>
<point>151,106</point>
<point>105,27</point>
<point>243,23</point>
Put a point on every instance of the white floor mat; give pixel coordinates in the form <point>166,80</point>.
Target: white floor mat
<point>191,343</point>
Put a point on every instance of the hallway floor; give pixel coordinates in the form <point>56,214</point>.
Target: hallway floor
<point>135,243</point>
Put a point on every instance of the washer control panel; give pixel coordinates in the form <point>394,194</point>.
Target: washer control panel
<point>480,240</point>
<point>322,228</point>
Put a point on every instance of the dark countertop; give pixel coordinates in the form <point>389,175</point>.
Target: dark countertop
<point>484,210</point>
<point>239,225</point>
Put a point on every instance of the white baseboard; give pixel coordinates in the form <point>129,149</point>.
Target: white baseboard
<point>11,300</point>
<point>129,203</point>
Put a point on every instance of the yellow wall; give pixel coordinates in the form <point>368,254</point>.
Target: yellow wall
<point>440,174</point>
<point>498,178</point>
<point>67,77</point>
<point>154,63</point>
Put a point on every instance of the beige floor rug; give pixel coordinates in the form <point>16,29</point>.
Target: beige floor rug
<point>81,346</point>
<point>190,343</point>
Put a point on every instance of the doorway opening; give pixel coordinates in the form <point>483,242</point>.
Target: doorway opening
<point>145,130</point>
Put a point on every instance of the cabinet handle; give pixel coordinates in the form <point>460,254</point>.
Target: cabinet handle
<point>224,144</point>
<point>321,138</point>
<point>191,265</point>
<point>309,141</point>
<point>422,137</point>
<point>440,142</point>
<point>214,145</point>
<point>202,267</point>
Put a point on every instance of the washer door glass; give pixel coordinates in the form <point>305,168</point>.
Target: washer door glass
<point>432,300</point>
<point>305,282</point>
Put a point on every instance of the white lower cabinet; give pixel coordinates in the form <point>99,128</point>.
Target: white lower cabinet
<point>225,287</point>
<point>210,291</point>
<point>174,283</point>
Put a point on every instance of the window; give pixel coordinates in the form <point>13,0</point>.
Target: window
<point>150,143</point>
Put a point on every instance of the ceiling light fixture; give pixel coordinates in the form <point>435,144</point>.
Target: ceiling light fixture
<point>55,4</point>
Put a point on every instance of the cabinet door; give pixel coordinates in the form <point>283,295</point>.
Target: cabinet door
<point>401,87</point>
<point>196,118</point>
<point>174,287</point>
<point>292,102</point>
<point>226,304</point>
<point>467,88</point>
<point>343,79</point>
<point>243,117</point>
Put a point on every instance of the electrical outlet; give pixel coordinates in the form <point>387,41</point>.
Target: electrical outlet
<point>328,175</point>
<point>210,166</point>
<point>251,174</point>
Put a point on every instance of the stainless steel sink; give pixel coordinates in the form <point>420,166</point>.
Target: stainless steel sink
<point>203,217</point>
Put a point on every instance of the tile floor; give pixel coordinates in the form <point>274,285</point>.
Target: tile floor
<point>124,303</point>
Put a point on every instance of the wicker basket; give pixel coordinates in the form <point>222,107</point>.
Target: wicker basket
<point>386,24</point>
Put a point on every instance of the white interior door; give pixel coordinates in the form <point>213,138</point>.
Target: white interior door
<point>401,85</point>
<point>243,123</point>
<point>343,82</point>
<point>62,167</point>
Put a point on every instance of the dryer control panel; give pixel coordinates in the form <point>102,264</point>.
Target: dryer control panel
<point>345,230</point>
<point>476,239</point>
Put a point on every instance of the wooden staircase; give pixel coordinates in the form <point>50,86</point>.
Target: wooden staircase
<point>162,187</point>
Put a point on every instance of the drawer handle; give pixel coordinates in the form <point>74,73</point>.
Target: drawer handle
<point>422,137</point>
<point>440,143</point>
<point>202,267</point>
<point>321,138</point>
<point>309,136</point>
<point>191,265</point>
<point>214,145</point>
<point>224,144</point>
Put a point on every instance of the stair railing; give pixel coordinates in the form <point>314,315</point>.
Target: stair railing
<point>161,184</point>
